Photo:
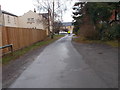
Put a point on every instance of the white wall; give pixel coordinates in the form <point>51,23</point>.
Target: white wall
<point>1,19</point>
<point>35,20</point>
<point>38,21</point>
<point>11,21</point>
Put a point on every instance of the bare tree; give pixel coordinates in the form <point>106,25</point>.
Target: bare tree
<point>54,8</point>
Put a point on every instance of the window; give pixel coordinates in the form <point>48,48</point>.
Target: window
<point>30,20</point>
<point>8,19</point>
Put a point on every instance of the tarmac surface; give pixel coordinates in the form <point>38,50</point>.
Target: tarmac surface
<point>60,65</point>
<point>101,58</point>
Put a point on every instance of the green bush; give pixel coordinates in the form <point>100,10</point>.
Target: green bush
<point>115,31</point>
<point>110,32</point>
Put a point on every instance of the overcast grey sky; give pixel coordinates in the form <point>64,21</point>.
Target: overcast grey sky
<point>19,7</point>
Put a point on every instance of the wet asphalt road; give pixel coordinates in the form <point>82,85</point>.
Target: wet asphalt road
<point>59,66</point>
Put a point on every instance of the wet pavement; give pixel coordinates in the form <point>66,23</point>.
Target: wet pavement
<point>59,66</point>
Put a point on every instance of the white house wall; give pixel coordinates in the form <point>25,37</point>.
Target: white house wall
<point>35,23</point>
<point>11,21</point>
<point>1,20</point>
<point>22,21</point>
<point>1,17</point>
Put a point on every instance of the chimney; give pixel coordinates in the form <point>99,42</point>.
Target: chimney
<point>0,7</point>
<point>34,10</point>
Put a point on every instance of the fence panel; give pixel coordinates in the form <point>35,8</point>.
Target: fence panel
<point>21,37</point>
<point>4,39</point>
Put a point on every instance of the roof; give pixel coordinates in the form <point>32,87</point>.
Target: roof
<point>45,15</point>
<point>67,23</point>
<point>5,12</point>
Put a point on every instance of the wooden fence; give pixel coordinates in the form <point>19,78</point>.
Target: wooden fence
<point>20,37</point>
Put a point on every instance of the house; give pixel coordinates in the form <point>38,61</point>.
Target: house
<point>45,20</point>
<point>28,20</point>
<point>31,20</point>
<point>8,19</point>
<point>115,17</point>
<point>0,16</point>
<point>48,21</point>
<point>68,26</point>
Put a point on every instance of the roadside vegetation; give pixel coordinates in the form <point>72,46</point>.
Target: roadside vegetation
<point>113,43</point>
<point>97,22</point>
<point>12,56</point>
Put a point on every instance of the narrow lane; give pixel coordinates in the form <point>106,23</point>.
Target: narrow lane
<point>59,66</point>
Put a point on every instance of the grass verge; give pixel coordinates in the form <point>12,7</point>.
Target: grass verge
<point>12,56</point>
<point>113,43</point>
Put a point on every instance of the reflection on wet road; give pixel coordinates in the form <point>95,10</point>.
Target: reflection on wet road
<point>59,66</point>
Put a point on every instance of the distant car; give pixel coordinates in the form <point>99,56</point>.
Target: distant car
<point>62,32</point>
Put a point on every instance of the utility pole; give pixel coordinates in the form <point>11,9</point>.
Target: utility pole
<point>53,20</point>
<point>53,14</point>
<point>61,15</point>
<point>48,21</point>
